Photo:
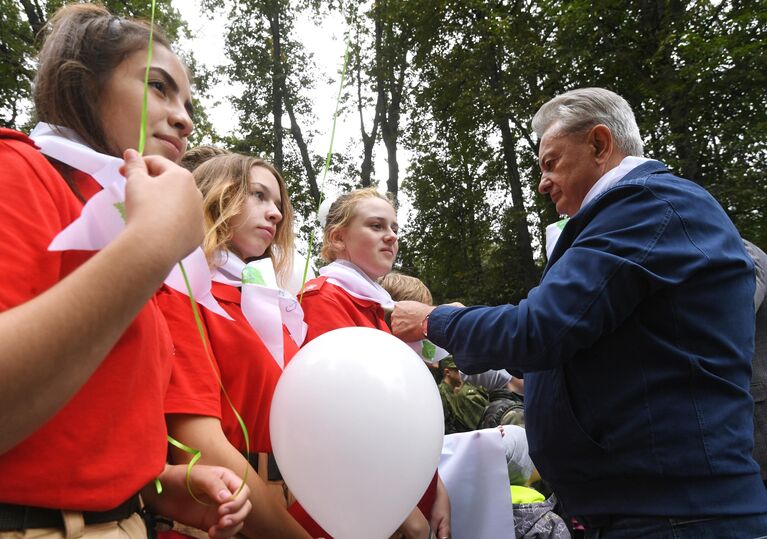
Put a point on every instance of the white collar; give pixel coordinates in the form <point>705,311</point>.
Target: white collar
<point>613,176</point>
<point>63,144</point>
<point>266,307</point>
<point>356,283</point>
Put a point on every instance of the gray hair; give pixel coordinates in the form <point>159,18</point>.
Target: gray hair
<point>579,110</point>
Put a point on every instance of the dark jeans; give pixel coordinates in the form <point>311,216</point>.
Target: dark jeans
<point>728,527</point>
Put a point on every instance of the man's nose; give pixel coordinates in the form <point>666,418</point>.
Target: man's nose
<point>544,185</point>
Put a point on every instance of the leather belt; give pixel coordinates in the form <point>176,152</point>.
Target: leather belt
<point>23,517</point>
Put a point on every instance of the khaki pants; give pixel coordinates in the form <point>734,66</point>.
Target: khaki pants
<point>74,528</point>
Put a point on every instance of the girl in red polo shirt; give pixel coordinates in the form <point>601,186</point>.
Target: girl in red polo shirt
<point>360,242</point>
<point>249,246</point>
<point>86,355</point>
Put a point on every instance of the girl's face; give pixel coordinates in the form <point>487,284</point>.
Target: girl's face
<point>169,104</point>
<point>255,226</point>
<point>370,239</point>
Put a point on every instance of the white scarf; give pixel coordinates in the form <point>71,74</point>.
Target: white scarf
<point>266,306</point>
<point>356,283</point>
<point>102,217</point>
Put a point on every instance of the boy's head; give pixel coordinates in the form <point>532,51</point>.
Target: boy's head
<point>450,373</point>
<point>405,288</point>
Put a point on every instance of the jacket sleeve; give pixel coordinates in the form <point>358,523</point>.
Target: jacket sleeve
<point>588,292</point>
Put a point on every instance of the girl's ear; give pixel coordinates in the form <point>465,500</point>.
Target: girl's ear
<point>337,240</point>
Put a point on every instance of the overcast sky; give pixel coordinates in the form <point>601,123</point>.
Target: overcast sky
<point>328,46</point>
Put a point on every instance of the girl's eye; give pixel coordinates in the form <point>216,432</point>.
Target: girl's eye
<point>157,85</point>
<point>376,226</point>
<point>258,194</point>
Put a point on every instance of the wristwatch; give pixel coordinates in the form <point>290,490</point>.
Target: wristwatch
<point>425,326</point>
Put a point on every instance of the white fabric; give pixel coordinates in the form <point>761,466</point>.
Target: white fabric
<point>553,231</point>
<point>295,281</point>
<point>265,306</point>
<point>63,144</point>
<point>474,470</point>
<point>429,352</point>
<point>352,279</point>
<point>613,176</point>
<point>356,283</point>
<point>102,217</point>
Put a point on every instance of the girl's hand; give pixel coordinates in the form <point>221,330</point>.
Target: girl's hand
<point>440,512</point>
<point>163,204</point>
<point>224,513</point>
<point>414,527</point>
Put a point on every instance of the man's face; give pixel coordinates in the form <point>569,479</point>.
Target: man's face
<point>453,377</point>
<point>569,168</point>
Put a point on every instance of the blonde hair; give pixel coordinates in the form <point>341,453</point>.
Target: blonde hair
<point>403,287</point>
<point>225,184</point>
<point>340,215</point>
<point>194,157</point>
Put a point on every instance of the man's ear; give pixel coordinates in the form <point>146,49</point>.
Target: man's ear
<point>600,138</point>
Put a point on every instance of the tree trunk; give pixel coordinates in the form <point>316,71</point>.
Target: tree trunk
<point>518,214</point>
<point>278,83</point>
<point>392,101</point>
<point>35,16</point>
<point>298,137</point>
<point>368,141</point>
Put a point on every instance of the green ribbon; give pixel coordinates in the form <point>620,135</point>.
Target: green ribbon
<point>327,166</point>
<point>121,208</point>
<point>209,356</point>
<point>144,104</point>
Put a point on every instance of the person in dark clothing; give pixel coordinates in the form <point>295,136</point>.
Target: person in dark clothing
<point>637,344</point>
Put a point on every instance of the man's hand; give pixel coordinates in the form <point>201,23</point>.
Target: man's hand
<point>221,518</point>
<point>407,320</point>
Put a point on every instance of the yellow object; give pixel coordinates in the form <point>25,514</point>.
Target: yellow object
<point>525,495</point>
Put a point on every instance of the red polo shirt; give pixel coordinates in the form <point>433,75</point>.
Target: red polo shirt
<point>240,357</point>
<point>109,440</point>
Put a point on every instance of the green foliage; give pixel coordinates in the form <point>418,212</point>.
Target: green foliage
<point>16,50</point>
<point>695,73</point>
<point>21,22</point>
<point>455,83</point>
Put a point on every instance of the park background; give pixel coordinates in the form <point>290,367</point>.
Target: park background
<point>437,102</point>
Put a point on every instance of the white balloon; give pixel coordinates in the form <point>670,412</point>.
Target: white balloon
<point>357,427</point>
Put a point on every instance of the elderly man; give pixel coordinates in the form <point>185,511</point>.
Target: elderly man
<point>636,344</point>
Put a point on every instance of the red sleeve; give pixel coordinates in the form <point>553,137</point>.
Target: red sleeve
<point>192,389</point>
<point>30,219</point>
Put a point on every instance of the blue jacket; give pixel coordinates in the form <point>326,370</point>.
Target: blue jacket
<point>636,347</point>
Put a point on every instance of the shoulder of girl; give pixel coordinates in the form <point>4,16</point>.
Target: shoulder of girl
<point>314,286</point>
<point>12,134</point>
